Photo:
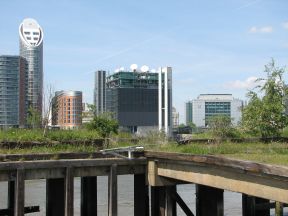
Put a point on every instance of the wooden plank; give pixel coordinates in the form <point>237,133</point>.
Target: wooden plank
<point>141,196</point>
<point>89,196</point>
<point>70,163</point>
<point>55,197</point>
<point>69,192</point>
<point>19,193</point>
<point>112,191</point>
<point>209,201</point>
<point>241,165</point>
<point>268,188</point>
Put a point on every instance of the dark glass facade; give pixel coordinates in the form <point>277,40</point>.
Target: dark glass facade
<point>133,106</point>
<point>13,76</point>
<point>216,108</point>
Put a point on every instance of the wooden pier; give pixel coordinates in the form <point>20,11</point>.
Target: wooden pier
<point>262,186</point>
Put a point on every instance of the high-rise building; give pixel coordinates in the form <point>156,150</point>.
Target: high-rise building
<point>141,101</point>
<point>99,92</point>
<point>31,48</point>
<point>67,109</point>
<point>189,112</point>
<point>209,105</point>
<point>13,107</point>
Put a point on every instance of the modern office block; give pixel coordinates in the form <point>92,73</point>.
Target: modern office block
<point>31,48</point>
<point>206,106</point>
<point>13,107</point>
<point>67,109</point>
<point>141,101</point>
<point>100,92</point>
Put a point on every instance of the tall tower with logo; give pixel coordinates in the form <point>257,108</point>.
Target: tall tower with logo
<point>31,48</point>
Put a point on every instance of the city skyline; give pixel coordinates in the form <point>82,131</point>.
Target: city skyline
<point>213,47</point>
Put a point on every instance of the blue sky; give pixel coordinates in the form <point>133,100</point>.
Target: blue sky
<point>213,46</point>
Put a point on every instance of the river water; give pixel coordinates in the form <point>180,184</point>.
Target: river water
<point>35,195</point>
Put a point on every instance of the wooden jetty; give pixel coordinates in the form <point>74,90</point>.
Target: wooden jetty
<point>262,186</point>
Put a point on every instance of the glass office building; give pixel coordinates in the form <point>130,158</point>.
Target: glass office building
<point>201,110</point>
<point>31,48</point>
<point>13,107</point>
<point>133,98</point>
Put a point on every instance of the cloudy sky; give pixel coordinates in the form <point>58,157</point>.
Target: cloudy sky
<point>213,46</point>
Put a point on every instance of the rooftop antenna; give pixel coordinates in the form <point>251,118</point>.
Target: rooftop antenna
<point>133,67</point>
<point>144,68</point>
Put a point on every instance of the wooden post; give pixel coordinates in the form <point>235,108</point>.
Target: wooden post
<point>278,209</point>
<point>209,201</point>
<point>170,202</point>
<point>55,197</point>
<point>248,205</point>
<point>162,204</point>
<point>112,191</point>
<point>69,192</point>
<point>11,196</point>
<point>89,196</point>
<point>254,206</point>
<point>141,195</point>
<point>19,193</point>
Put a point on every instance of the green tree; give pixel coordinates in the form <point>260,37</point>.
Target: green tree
<point>104,124</point>
<point>34,118</point>
<point>264,113</point>
<point>221,126</point>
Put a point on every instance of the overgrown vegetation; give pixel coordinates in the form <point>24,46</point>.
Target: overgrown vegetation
<point>265,113</point>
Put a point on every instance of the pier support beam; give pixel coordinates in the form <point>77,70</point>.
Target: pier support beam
<point>209,201</point>
<point>162,203</point>
<point>19,193</point>
<point>278,209</point>
<point>55,197</point>
<point>69,192</point>
<point>89,196</point>
<point>112,191</point>
<point>11,196</point>
<point>141,195</point>
<point>254,206</point>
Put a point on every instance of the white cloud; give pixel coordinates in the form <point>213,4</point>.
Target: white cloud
<point>264,29</point>
<point>285,25</point>
<point>249,83</point>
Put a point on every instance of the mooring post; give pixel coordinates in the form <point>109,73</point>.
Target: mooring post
<point>209,201</point>
<point>89,196</point>
<point>112,191</point>
<point>55,197</point>
<point>141,195</point>
<point>254,206</point>
<point>11,196</point>
<point>278,209</point>
<point>19,193</point>
<point>69,192</point>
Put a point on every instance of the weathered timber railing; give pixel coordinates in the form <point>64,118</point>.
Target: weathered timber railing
<point>259,183</point>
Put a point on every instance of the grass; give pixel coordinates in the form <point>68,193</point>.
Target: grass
<point>272,153</point>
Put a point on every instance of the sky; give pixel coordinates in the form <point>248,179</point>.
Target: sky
<point>213,46</point>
